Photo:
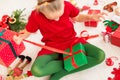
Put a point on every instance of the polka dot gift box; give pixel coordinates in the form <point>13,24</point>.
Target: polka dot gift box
<point>9,50</point>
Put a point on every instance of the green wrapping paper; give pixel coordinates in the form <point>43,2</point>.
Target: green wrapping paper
<point>77,59</point>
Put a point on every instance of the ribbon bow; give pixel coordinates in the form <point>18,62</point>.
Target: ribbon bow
<point>85,35</point>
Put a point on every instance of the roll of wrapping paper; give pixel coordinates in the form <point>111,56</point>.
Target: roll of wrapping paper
<point>48,47</point>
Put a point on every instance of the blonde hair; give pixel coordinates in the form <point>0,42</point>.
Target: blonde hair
<point>49,5</point>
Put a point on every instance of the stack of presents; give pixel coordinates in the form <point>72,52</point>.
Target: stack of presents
<point>114,35</point>
<point>112,32</point>
<point>9,49</point>
<point>9,27</point>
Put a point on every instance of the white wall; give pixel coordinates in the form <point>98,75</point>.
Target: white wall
<point>7,6</point>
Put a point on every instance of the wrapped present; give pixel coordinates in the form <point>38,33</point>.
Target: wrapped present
<point>106,36</point>
<point>115,37</point>
<point>77,59</point>
<point>92,23</point>
<point>9,50</point>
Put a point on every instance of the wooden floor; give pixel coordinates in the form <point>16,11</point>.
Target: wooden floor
<point>99,72</point>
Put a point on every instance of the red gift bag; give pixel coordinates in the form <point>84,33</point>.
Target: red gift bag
<point>92,23</point>
<point>9,50</point>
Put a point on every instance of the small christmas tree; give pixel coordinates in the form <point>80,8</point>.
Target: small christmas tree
<point>17,20</point>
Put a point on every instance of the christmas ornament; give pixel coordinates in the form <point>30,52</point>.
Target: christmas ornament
<point>109,61</point>
<point>17,21</point>
<point>95,2</point>
<point>3,22</point>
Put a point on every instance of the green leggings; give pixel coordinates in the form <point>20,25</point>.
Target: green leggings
<point>51,65</point>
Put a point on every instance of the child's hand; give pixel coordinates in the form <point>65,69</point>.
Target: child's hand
<point>98,17</point>
<point>17,39</point>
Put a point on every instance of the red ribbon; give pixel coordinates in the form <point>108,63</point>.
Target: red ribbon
<point>48,47</point>
<point>85,35</point>
<point>73,60</point>
<point>73,53</point>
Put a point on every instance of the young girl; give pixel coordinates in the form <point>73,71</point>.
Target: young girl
<point>53,18</point>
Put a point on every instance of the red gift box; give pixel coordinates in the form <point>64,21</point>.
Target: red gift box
<point>115,37</point>
<point>9,50</point>
<point>92,23</point>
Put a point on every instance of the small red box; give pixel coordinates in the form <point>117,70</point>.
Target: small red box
<point>115,37</point>
<point>92,23</point>
<point>9,50</point>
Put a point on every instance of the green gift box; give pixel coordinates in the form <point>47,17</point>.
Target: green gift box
<point>77,59</point>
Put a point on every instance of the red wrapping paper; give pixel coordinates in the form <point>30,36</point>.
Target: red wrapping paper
<point>6,54</point>
<point>115,37</point>
<point>92,23</point>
